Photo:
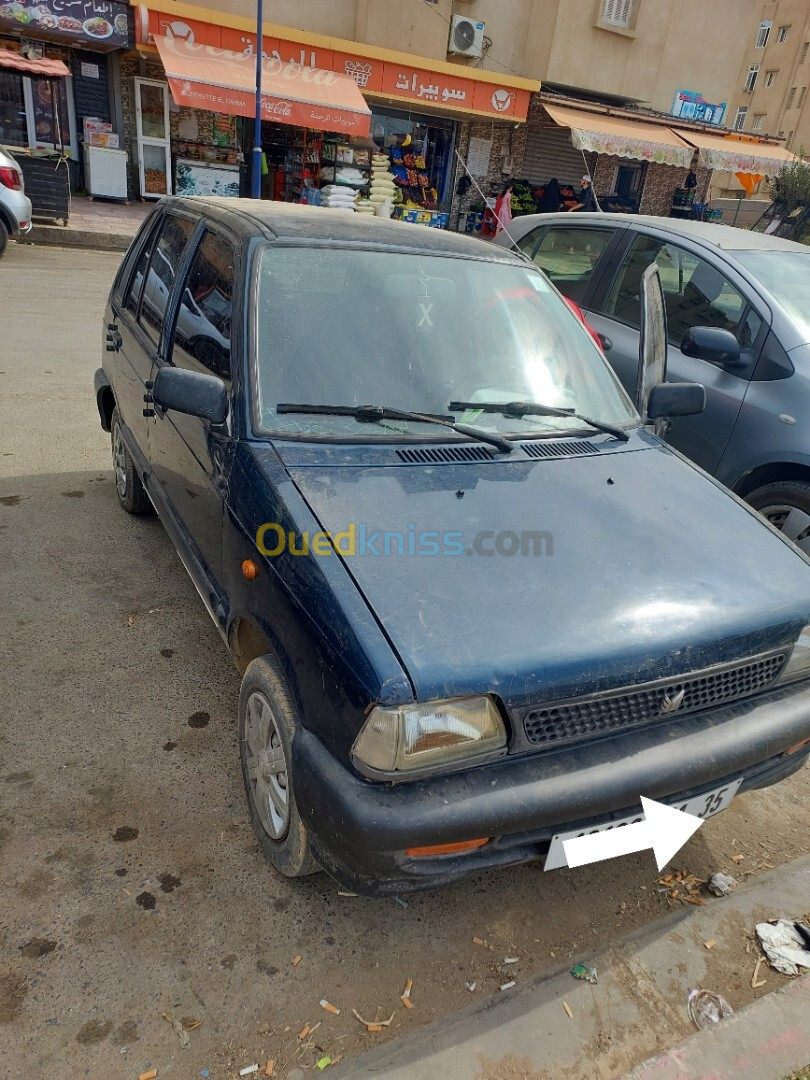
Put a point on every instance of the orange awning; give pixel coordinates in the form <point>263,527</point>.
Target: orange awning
<point>39,69</point>
<point>219,80</point>
<point>728,154</point>
<point>605,134</point>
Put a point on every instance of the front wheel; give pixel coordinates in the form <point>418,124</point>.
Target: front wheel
<point>268,720</point>
<point>786,505</point>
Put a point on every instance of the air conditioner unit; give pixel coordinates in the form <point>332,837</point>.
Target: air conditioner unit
<point>466,37</point>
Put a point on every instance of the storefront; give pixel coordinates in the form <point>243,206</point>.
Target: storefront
<point>42,117</point>
<point>381,126</point>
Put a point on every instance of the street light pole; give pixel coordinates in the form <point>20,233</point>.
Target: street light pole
<point>256,175</point>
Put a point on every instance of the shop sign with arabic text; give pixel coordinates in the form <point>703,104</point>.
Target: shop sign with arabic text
<point>384,78</point>
<point>102,22</point>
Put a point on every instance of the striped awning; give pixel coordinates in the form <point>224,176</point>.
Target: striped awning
<point>38,69</point>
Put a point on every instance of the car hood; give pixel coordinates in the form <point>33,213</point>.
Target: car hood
<point>644,567</point>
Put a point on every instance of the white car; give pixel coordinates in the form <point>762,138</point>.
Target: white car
<point>15,206</point>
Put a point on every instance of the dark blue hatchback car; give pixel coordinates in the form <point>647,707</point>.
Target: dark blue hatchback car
<point>478,607</point>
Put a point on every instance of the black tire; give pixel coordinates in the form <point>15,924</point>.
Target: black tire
<point>776,501</point>
<point>3,238</point>
<point>284,843</point>
<point>128,487</point>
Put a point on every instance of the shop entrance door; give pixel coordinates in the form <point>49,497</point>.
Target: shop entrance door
<point>154,156</point>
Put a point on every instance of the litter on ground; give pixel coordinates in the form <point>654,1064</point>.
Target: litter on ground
<point>567,1008</point>
<point>706,1008</point>
<point>405,997</point>
<point>722,884</point>
<point>580,971</point>
<point>182,1034</point>
<point>784,946</point>
<point>325,1005</point>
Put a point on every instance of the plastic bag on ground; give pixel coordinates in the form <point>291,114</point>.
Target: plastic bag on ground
<point>706,1008</point>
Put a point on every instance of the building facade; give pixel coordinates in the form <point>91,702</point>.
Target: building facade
<point>770,93</point>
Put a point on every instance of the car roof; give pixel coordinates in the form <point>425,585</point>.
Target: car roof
<point>291,222</point>
<point>718,235</point>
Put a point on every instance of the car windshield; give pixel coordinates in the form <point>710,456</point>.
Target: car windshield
<point>414,332</point>
<point>786,275</point>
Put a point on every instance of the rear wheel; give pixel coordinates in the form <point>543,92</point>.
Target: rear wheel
<point>3,238</point>
<point>131,492</point>
<point>268,720</point>
<point>786,505</point>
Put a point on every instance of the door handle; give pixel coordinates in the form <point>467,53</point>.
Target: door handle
<point>605,342</point>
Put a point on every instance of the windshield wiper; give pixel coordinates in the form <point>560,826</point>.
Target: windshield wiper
<point>373,414</point>
<point>519,409</point>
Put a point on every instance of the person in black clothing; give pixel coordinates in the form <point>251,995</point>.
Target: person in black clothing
<point>691,179</point>
<point>551,199</point>
<point>586,200</point>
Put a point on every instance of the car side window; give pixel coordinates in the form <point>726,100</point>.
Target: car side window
<point>162,271</point>
<point>134,286</point>
<point>695,293</point>
<point>568,255</point>
<point>527,242</point>
<point>202,335</point>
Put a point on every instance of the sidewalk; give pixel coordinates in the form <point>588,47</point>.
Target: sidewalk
<point>635,1018</point>
<point>93,223</point>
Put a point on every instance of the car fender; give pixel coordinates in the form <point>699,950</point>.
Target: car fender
<point>105,398</point>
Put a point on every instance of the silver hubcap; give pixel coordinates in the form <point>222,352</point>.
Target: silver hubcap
<point>792,521</point>
<point>119,462</point>
<point>266,766</point>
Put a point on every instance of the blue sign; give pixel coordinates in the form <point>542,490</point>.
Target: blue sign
<point>691,106</point>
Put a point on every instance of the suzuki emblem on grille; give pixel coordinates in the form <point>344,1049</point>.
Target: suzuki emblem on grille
<point>672,703</point>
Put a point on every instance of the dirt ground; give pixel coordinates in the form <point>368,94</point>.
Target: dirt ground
<point>131,887</point>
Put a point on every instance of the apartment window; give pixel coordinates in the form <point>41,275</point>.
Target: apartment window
<point>770,77</point>
<point>789,140</point>
<point>764,33</point>
<point>782,34</point>
<point>757,120</point>
<point>751,78</point>
<point>803,54</point>
<point>616,12</point>
<point>739,119</point>
<point>802,96</point>
<point>791,98</point>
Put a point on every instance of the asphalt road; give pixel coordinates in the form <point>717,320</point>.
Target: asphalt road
<point>130,883</point>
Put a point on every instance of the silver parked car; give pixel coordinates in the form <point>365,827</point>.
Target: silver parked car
<point>753,290</point>
<point>15,206</point>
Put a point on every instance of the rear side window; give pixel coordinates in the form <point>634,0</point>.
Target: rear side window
<point>202,335</point>
<point>162,271</point>
<point>569,257</point>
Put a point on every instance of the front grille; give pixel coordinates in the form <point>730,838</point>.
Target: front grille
<point>588,718</point>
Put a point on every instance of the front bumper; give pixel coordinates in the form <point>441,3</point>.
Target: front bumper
<point>360,830</point>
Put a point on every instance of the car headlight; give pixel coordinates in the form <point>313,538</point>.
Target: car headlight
<point>798,665</point>
<point>419,736</point>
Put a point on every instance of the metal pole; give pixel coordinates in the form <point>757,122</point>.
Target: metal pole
<point>256,177</point>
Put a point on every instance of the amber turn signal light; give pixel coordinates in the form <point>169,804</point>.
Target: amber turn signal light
<point>447,849</point>
<point>797,746</point>
<point>250,569</point>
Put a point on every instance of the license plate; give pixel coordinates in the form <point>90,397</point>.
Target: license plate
<point>703,806</point>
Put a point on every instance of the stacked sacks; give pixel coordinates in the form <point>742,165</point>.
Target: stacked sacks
<point>364,206</point>
<point>382,181</point>
<point>339,197</point>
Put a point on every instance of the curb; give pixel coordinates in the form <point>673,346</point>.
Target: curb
<point>62,236</point>
<point>635,1017</point>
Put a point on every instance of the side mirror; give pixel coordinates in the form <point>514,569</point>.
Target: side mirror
<point>676,399</point>
<point>712,344</point>
<point>191,392</point>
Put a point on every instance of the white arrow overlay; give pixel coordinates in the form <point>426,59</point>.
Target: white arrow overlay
<point>664,829</point>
